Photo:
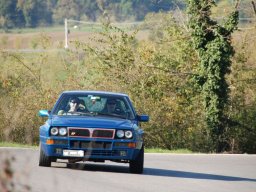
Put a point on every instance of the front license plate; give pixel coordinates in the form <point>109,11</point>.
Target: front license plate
<point>73,153</point>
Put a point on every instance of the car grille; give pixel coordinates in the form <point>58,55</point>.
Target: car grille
<point>91,132</point>
<point>79,132</point>
<point>103,133</point>
<point>91,144</point>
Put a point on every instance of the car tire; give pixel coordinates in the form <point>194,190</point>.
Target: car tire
<point>137,165</point>
<point>44,161</point>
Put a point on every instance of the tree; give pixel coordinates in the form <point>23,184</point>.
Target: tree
<point>66,9</point>
<point>213,44</point>
<point>10,15</point>
<point>35,12</point>
<point>89,9</point>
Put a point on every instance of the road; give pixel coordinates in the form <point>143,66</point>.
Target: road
<point>162,173</point>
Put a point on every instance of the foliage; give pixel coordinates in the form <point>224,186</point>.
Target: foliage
<point>10,15</point>
<point>157,72</point>
<point>34,13</point>
<point>212,42</point>
<point>243,97</point>
<point>224,8</point>
<point>66,9</point>
<point>18,88</point>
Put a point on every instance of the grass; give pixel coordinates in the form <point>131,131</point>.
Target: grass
<point>8,144</point>
<point>88,27</point>
<point>159,150</point>
<point>31,38</point>
<point>33,30</point>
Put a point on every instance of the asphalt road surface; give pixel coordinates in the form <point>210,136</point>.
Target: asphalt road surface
<point>162,173</point>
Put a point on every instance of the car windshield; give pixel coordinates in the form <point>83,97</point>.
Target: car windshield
<point>94,105</point>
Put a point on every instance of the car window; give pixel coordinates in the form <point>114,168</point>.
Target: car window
<point>96,105</point>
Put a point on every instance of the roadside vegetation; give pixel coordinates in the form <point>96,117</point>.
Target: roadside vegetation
<point>157,71</point>
<point>13,144</point>
<point>160,150</point>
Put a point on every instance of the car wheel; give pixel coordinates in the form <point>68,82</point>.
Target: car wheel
<point>44,161</point>
<point>136,166</point>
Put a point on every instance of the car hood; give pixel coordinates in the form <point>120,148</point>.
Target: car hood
<point>91,122</point>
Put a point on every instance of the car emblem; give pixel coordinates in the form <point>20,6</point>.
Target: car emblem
<point>73,133</point>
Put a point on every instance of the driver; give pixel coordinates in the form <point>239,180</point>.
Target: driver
<point>74,105</point>
<point>111,106</point>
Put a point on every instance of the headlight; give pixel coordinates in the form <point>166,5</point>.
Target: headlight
<point>54,131</point>
<point>120,133</point>
<point>128,134</point>
<point>63,131</point>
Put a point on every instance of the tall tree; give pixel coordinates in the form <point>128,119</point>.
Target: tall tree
<point>35,12</point>
<point>90,9</point>
<point>66,9</point>
<point>213,44</point>
<point>10,15</point>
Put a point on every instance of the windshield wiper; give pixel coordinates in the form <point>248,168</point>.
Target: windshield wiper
<point>80,113</point>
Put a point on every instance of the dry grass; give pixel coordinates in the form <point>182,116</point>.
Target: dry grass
<point>28,38</point>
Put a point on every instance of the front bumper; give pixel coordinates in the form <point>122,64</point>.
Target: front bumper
<point>93,149</point>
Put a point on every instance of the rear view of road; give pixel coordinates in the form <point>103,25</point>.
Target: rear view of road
<point>162,173</point>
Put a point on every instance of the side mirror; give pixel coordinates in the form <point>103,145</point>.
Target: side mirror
<point>143,118</point>
<point>43,113</point>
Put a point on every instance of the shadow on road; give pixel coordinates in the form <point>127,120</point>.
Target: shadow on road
<point>98,167</point>
<point>192,175</point>
<point>156,172</point>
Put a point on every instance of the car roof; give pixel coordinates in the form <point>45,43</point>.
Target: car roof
<point>95,92</point>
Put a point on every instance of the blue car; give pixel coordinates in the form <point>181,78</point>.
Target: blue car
<point>92,126</point>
